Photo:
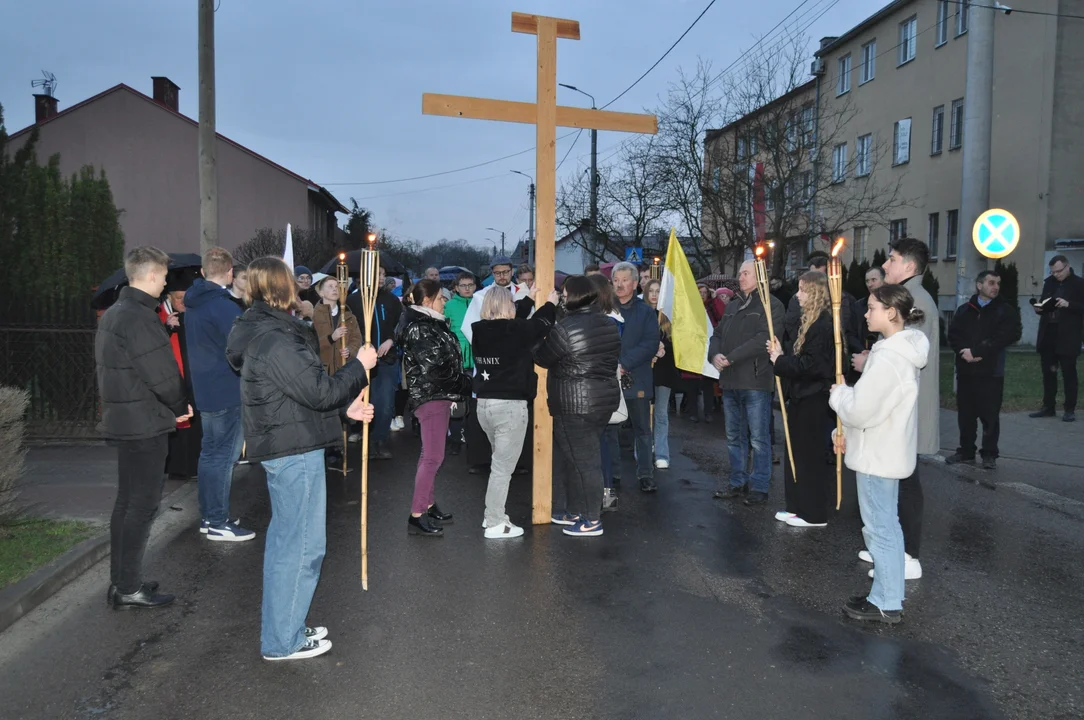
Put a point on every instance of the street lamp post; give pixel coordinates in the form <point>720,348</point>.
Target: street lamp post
<point>594,163</point>
<point>530,222</point>
<point>502,237</point>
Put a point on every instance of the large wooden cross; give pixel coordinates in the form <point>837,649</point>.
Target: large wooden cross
<point>546,115</point>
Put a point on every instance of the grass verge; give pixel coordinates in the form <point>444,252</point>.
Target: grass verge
<point>1023,382</point>
<point>25,548</point>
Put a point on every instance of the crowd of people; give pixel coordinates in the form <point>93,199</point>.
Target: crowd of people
<point>272,362</point>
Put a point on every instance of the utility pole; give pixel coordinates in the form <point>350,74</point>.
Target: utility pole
<point>208,177</point>
<point>530,221</point>
<point>978,120</point>
<point>594,166</point>
<point>502,237</point>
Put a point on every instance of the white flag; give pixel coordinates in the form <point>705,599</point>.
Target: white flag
<point>288,253</point>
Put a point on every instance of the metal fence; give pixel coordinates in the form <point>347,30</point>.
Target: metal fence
<point>55,364</point>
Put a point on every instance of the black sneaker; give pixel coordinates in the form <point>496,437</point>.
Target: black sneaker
<point>1069,416</point>
<point>860,608</point>
<point>989,463</point>
<point>756,498</point>
<point>1045,412</point>
<point>648,485</point>
<point>958,458</point>
<point>731,492</point>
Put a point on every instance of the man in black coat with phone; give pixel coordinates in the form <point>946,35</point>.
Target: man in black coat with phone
<point>143,400</point>
<point>1061,327</point>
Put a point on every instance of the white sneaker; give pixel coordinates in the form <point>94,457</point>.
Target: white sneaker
<point>662,464</point>
<point>315,633</point>
<point>310,649</point>
<point>397,423</point>
<point>783,515</point>
<point>353,437</point>
<point>912,569</point>
<point>504,530</point>
<point>796,521</point>
<point>864,556</point>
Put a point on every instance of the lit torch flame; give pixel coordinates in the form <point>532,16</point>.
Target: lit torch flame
<point>759,251</point>
<point>837,247</point>
<point>656,261</point>
<point>342,257</point>
<point>372,240</point>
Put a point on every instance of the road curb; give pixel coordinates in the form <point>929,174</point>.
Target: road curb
<point>20,598</point>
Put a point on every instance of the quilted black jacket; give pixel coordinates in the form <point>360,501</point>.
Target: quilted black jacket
<point>582,353</point>
<point>290,405</point>
<point>432,360</point>
<point>141,387</point>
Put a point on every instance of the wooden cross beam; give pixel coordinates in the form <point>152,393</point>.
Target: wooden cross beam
<point>546,115</point>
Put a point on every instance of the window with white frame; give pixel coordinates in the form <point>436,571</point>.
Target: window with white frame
<point>897,229</point>
<point>807,185</point>
<point>932,231</point>
<point>861,241</point>
<point>839,163</point>
<point>741,147</point>
<point>751,143</point>
<point>769,195</point>
<point>808,126</point>
<point>869,62</point>
<point>952,232</point>
<point>937,130</point>
<point>908,36</point>
<point>863,148</point>
<point>943,14</point>
<point>901,142</point>
<point>844,74</point>
<point>956,125</point>
<point>963,15</point>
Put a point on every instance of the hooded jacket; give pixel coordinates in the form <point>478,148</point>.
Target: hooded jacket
<point>290,405</point>
<point>455,310</point>
<point>209,314</point>
<point>880,413</point>
<point>929,390</point>
<point>432,364</point>
<point>503,360</point>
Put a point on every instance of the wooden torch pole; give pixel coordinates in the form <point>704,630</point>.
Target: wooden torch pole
<point>342,274</point>
<point>764,290</point>
<point>835,289</point>
<point>370,277</point>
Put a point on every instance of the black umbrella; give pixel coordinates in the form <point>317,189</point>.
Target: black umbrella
<point>180,264</point>
<point>353,261</point>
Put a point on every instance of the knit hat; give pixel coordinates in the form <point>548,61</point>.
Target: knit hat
<point>302,270</point>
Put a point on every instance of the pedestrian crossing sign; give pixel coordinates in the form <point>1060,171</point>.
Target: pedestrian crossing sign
<point>996,233</point>
<point>634,255</point>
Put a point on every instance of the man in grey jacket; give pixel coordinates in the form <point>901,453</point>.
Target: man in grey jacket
<point>738,350</point>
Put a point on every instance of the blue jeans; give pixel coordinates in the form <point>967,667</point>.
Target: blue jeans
<point>662,423</point>
<point>640,414</point>
<point>296,540</point>
<point>747,414</point>
<point>220,448</point>
<point>877,501</point>
<point>382,398</point>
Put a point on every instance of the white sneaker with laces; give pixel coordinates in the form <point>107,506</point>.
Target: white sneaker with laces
<point>662,464</point>
<point>783,515</point>
<point>315,633</point>
<point>397,423</point>
<point>504,530</point>
<point>799,522</point>
<point>310,649</point>
<point>864,556</point>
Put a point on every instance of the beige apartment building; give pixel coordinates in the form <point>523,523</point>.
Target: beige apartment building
<point>902,75</point>
<point>148,150</point>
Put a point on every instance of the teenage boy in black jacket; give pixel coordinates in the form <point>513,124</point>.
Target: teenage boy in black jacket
<point>143,400</point>
<point>384,378</point>
<point>979,333</point>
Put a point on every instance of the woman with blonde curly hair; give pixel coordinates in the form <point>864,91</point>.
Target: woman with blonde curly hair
<point>808,374</point>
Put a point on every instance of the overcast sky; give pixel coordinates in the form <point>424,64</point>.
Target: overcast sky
<point>332,88</point>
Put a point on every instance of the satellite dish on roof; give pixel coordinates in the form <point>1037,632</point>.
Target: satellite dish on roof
<point>46,83</point>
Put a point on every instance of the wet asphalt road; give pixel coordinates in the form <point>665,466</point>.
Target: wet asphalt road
<point>687,608</point>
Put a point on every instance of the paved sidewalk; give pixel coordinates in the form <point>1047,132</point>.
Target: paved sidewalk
<point>1047,440</point>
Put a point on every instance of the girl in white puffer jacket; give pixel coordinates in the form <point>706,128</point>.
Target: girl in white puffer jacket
<point>880,437</point>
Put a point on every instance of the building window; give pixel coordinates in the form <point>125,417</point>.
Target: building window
<point>807,124</point>
<point>839,163</point>
<point>901,142</point>
<point>908,35</point>
<point>956,127</point>
<point>942,22</point>
<point>897,229</point>
<point>769,195</point>
<point>863,147</point>
<point>844,74</point>
<point>807,185</point>
<point>933,230</point>
<point>963,15</point>
<point>952,232</point>
<point>937,133</point>
<point>869,62</point>
<point>716,179</point>
<point>861,239</point>
<point>741,147</point>
<point>751,144</point>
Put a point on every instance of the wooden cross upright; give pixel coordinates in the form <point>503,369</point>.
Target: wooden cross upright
<point>546,115</point>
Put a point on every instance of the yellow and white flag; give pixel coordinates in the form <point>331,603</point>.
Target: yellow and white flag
<point>679,300</point>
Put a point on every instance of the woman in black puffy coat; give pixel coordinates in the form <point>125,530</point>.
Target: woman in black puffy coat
<point>290,413</point>
<point>581,353</point>
<point>433,367</point>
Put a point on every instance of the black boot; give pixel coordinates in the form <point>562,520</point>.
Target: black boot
<point>425,526</point>
<point>142,599</point>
